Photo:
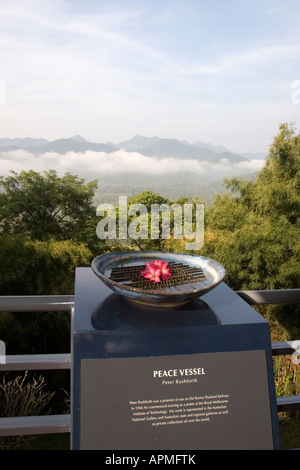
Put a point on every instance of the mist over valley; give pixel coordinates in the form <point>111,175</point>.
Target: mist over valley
<point>169,167</point>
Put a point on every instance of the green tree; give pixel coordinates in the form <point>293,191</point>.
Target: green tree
<point>39,267</point>
<point>254,230</point>
<point>46,205</point>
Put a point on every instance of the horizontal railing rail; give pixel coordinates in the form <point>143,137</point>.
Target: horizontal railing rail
<point>37,362</point>
<point>29,425</point>
<point>277,296</point>
<point>36,303</point>
<point>283,348</point>
<point>61,423</point>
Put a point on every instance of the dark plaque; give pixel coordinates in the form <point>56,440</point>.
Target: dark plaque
<point>198,401</point>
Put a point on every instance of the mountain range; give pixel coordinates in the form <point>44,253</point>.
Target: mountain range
<point>149,146</point>
<point>131,173</point>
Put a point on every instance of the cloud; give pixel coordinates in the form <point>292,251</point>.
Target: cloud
<point>248,61</point>
<point>95,165</point>
<point>110,69</point>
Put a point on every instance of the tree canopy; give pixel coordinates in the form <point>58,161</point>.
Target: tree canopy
<point>45,205</point>
<point>254,229</point>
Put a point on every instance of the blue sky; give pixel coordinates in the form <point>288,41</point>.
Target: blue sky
<point>218,71</point>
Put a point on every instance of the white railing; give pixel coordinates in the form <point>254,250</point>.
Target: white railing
<point>54,424</point>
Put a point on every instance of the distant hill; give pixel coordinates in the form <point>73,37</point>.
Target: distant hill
<point>60,146</point>
<point>171,184</point>
<point>39,146</point>
<point>175,149</point>
<point>137,143</point>
<point>148,146</point>
<point>206,145</point>
<point>23,143</point>
<point>164,148</point>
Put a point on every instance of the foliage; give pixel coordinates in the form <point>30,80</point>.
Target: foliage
<point>254,229</point>
<point>36,267</point>
<point>256,226</point>
<point>20,397</point>
<point>45,205</point>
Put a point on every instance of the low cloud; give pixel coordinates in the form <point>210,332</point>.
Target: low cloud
<point>95,165</point>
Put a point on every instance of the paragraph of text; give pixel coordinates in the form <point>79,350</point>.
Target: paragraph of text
<point>180,410</point>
